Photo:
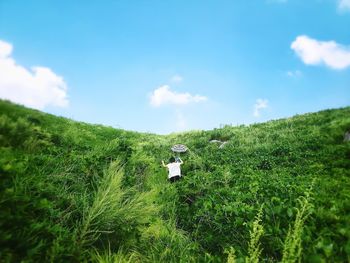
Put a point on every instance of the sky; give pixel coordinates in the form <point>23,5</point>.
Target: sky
<point>170,66</point>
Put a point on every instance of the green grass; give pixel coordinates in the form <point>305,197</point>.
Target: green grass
<point>72,192</point>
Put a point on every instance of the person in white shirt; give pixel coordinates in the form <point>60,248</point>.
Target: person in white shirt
<point>174,169</point>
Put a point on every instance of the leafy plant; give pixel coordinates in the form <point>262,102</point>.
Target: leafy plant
<point>292,248</point>
<point>254,249</point>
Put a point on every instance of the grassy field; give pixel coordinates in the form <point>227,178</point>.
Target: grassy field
<point>74,192</point>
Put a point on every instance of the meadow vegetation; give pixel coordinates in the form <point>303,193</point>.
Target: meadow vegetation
<point>75,192</point>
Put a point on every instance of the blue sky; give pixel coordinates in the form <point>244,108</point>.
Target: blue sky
<point>167,66</point>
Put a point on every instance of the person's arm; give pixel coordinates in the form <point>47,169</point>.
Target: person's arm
<point>181,162</point>
<point>164,164</point>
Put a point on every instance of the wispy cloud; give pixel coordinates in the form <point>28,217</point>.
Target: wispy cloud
<point>176,78</point>
<point>259,105</point>
<point>315,52</point>
<point>165,96</point>
<point>344,5</point>
<point>37,87</point>
<point>294,73</point>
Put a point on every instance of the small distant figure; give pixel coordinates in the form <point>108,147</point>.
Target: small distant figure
<point>173,168</point>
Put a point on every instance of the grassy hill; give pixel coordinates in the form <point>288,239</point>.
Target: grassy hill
<point>275,192</point>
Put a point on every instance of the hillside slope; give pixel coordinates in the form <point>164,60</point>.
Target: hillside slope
<point>72,191</point>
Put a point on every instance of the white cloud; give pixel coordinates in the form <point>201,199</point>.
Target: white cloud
<point>314,52</point>
<point>37,87</point>
<point>165,96</point>
<point>259,105</point>
<point>294,73</point>
<point>176,78</point>
<point>5,49</point>
<point>344,5</point>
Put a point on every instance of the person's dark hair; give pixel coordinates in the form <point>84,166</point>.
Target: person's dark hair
<point>172,160</point>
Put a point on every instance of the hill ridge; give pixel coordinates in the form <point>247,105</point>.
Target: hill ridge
<point>55,172</point>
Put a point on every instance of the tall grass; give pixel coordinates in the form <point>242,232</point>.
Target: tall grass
<point>256,232</point>
<point>163,242</point>
<point>107,256</point>
<point>292,245</point>
<point>231,256</point>
<point>115,212</point>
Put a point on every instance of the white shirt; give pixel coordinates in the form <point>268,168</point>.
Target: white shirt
<point>174,169</point>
